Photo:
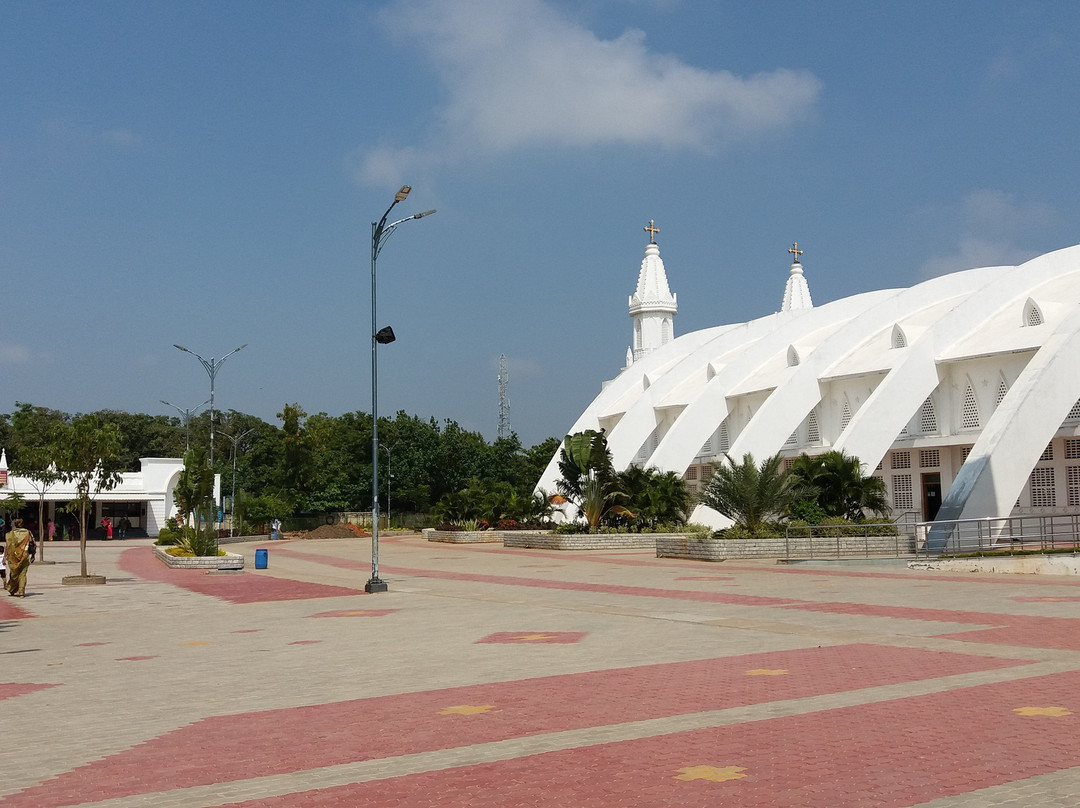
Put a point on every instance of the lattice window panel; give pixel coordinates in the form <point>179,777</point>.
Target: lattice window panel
<point>1033,316</point>
<point>813,431</point>
<point>1042,488</point>
<point>706,448</point>
<point>692,488</point>
<point>725,442</point>
<point>845,416</point>
<point>1072,481</point>
<point>901,460</point>
<point>964,454</point>
<point>788,463</point>
<point>898,338</point>
<point>969,415</point>
<point>1048,452</point>
<point>903,496</point>
<point>1074,413</point>
<point>930,458</point>
<point>793,439</point>
<point>1072,448</point>
<point>707,471</point>
<point>927,418</point>
<point>1002,391</point>
<point>691,473</point>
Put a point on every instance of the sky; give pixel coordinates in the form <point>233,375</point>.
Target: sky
<point>206,173</point>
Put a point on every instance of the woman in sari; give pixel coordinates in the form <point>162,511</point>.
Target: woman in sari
<point>17,555</point>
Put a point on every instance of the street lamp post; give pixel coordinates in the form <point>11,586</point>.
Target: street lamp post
<point>185,419</point>
<point>389,477</point>
<point>211,366</point>
<point>380,232</point>
<point>235,442</point>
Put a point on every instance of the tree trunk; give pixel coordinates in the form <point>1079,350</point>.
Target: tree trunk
<point>82,538</point>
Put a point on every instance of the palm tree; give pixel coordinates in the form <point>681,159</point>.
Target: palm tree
<point>655,496</point>
<point>751,495</point>
<point>837,482</point>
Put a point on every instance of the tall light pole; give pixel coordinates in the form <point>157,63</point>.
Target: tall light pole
<point>211,366</point>
<point>380,232</point>
<point>185,419</point>
<point>389,477</point>
<point>235,442</point>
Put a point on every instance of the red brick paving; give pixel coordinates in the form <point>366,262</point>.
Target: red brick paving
<point>235,747</point>
<point>9,608</point>
<point>9,690</point>
<point>887,754</point>
<point>241,587</point>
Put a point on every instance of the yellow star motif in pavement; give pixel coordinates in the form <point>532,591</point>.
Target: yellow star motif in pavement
<point>767,672</point>
<point>532,637</point>
<point>1056,712</point>
<point>712,773</point>
<point>467,709</point>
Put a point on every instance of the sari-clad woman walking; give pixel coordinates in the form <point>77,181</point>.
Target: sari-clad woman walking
<point>17,555</point>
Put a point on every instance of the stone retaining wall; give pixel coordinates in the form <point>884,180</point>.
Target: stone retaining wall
<point>462,536</point>
<point>817,547</point>
<point>229,561</point>
<point>1030,564</point>
<point>580,541</point>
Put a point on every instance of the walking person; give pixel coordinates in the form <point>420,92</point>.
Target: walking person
<point>17,556</point>
<point>3,566</point>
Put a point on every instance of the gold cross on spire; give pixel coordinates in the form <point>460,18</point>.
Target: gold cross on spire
<point>794,250</point>
<point>652,230</point>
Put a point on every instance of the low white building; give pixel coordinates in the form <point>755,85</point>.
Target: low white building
<point>144,497</point>
<point>962,392</point>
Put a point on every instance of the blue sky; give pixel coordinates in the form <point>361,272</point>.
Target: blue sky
<point>206,173</point>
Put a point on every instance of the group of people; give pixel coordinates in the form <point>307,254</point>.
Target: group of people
<point>15,556</point>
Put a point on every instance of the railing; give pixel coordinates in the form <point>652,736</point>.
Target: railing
<point>1007,534</point>
<point>849,541</point>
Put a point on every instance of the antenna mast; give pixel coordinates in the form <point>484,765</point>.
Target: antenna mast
<point>504,400</point>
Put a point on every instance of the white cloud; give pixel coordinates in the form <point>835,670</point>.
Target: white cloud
<point>991,225</point>
<point>518,73</point>
<point>13,354</point>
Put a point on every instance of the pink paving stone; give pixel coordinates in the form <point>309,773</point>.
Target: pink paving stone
<point>236,588</point>
<point>237,747</point>
<point>533,637</point>
<point>10,690</point>
<point>890,754</point>
<point>9,610</point>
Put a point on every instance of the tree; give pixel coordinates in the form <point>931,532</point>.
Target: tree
<point>655,497</point>
<point>88,457</point>
<point>194,497</point>
<point>837,483</point>
<point>589,479</point>
<point>751,495</point>
<point>34,459</point>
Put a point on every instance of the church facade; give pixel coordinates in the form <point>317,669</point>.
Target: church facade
<point>962,392</point>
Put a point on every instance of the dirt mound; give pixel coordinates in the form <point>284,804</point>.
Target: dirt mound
<point>329,532</point>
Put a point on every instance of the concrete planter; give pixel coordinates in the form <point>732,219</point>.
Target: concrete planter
<point>580,541</point>
<point>463,536</point>
<point>229,561</point>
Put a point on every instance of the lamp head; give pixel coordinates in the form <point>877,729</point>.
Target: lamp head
<point>384,336</point>
<point>404,192</point>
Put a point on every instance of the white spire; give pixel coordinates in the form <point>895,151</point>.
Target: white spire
<point>796,291</point>
<point>652,306</point>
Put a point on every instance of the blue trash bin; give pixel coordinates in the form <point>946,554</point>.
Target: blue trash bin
<point>261,557</point>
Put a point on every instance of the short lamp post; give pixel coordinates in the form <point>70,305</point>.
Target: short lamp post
<point>389,478</point>
<point>380,232</point>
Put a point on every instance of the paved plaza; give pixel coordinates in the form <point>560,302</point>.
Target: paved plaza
<point>495,677</point>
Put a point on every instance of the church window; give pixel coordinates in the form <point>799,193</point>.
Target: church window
<point>1074,413</point>
<point>793,439</point>
<point>1042,487</point>
<point>706,448</point>
<point>969,417</point>
<point>964,454</point>
<point>845,416</point>
<point>1032,313</point>
<point>1003,390</point>
<point>725,442</point>
<point>899,339</point>
<point>901,460</point>
<point>1048,452</point>
<point>1072,448</point>
<point>930,458</point>
<point>927,417</point>
<point>813,432</point>
<point>691,473</point>
<point>1072,480</point>
<point>665,332</point>
<point>792,356</point>
<point>903,496</point>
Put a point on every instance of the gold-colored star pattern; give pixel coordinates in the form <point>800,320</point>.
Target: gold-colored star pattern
<point>467,709</point>
<point>712,773</point>
<point>1056,712</point>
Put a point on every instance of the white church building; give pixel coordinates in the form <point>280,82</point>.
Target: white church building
<point>962,392</point>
